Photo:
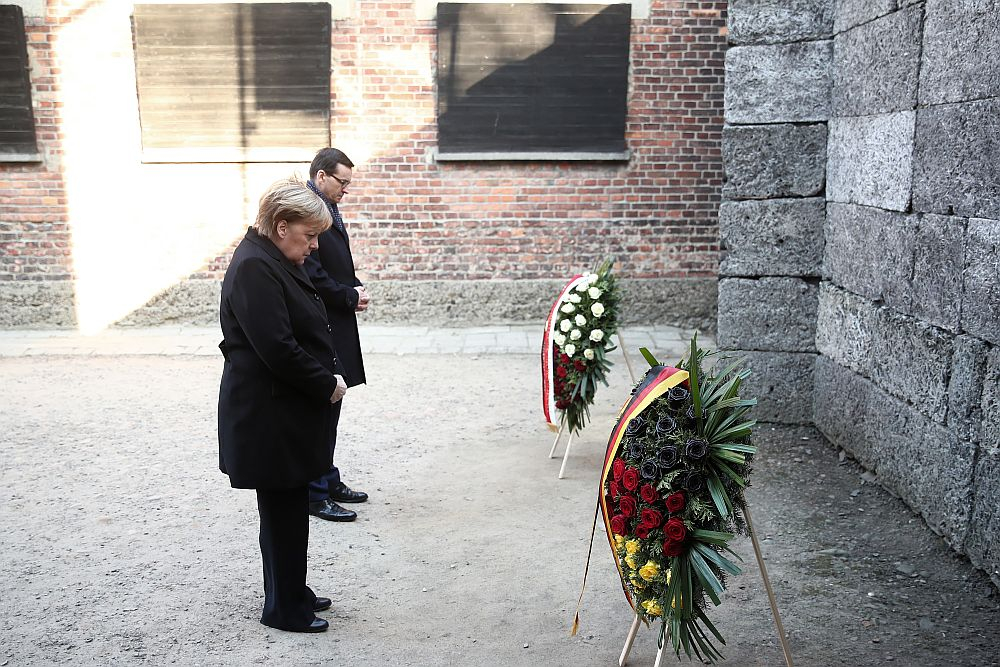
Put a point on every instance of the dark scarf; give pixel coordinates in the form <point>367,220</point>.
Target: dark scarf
<point>338,221</point>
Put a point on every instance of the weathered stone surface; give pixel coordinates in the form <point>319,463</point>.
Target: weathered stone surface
<point>955,165</point>
<point>778,83</point>
<point>907,358</point>
<point>870,160</point>
<point>961,51</point>
<point>965,387</point>
<point>37,305</point>
<point>776,314</point>
<point>982,543</point>
<point>691,303</point>
<point>923,462</point>
<point>850,13</point>
<point>981,301</point>
<point>774,21</point>
<point>780,237</point>
<point>782,384</point>
<point>876,65</point>
<point>188,302</point>
<point>938,261</point>
<point>774,161</point>
<point>870,252</point>
<point>990,405</point>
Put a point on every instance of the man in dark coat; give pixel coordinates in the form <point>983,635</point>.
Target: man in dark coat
<point>331,269</point>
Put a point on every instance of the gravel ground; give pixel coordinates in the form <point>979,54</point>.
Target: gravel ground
<point>123,544</point>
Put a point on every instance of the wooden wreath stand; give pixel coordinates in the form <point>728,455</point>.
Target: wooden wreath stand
<point>770,598</point>
<point>562,423</point>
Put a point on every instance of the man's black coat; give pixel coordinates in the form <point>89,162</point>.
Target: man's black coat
<point>274,399</point>
<point>331,269</point>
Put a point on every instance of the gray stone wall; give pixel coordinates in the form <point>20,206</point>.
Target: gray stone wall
<point>904,279</point>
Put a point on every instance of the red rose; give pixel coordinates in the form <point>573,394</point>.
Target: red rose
<point>630,478</point>
<point>561,405</point>
<point>675,530</point>
<point>641,532</point>
<point>579,365</point>
<point>627,505</point>
<point>614,489</point>
<point>675,502</point>
<point>564,358</point>
<point>561,371</point>
<point>672,549</point>
<point>617,469</point>
<point>618,524</point>
<point>648,493</point>
<point>651,518</point>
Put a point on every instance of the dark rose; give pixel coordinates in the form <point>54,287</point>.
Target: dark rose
<point>690,412</point>
<point>650,469</point>
<point>696,448</point>
<point>694,481</point>
<point>651,518</point>
<point>561,371</point>
<point>667,457</point>
<point>627,506</point>
<point>630,478</point>
<point>579,365</point>
<point>618,524</point>
<point>636,450</point>
<point>641,531</point>
<point>665,425</point>
<point>614,489</point>
<point>561,405</point>
<point>564,358</point>
<point>648,493</point>
<point>672,549</point>
<point>675,530</point>
<point>677,395</point>
<point>559,386</point>
<point>617,468</point>
<point>675,502</point>
<point>635,425</point>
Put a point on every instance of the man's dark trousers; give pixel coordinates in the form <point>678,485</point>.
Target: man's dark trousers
<point>319,489</point>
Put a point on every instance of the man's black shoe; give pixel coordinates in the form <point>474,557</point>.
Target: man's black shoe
<point>331,511</point>
<point>345,494</point>
<point>322,604</point>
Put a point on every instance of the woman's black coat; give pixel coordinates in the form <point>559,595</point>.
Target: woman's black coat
<point>274,399</point>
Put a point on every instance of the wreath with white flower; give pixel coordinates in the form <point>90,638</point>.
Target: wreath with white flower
<point>577,342</point>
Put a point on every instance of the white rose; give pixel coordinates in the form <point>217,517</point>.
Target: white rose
<point>580,320</point>
<point>597,335</point>
<point>582,287</point>
<point>592,278</point>
<point>559,339</point>
<point>575,334</point>
<point>597,309</point>
<point>565,325</point>
<point>568,308</point>
<point>588,353</point>
<point>594,293</point>
<point>575,298</point>
<point>570,349</point>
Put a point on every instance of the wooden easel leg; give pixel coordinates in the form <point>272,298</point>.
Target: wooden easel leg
<point>552,452</point>
<point>628,641</point>
<point>767,587</point>
<point>569,443</point>
<point>659,657</point>
<point>628,362</point>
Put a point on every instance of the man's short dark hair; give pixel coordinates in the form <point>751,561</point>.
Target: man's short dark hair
<point>327,160</point>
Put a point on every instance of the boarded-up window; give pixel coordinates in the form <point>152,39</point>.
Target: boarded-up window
<point>233,82</point>
<point>532,77</point>
<point>17,121</point>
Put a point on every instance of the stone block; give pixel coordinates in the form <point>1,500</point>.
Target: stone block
<point>774,314</point>
<point>776,21</point>
<point>965,387</point>
<point>782,383</point>
<point>961,51</point>
<point>778,83</point>
<point>188,302</point>
<point>981,300</point>
<point>935,287</point>
<point>870,160</point>
<point>990,404</point>
<point>982,544</point>
<point>850,13</point>
<point>924,463</point>
<point>955,165</point>
<point>870,252</point>
<point>777,237</point>
<point>876,65</point>
<point>905,357</point>
<point>769,161</point>
<point>37,305</point>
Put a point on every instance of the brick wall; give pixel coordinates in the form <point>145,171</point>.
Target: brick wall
<point>414,220</point>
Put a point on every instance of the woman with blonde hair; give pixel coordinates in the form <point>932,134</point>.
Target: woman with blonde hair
<point>280,381</point>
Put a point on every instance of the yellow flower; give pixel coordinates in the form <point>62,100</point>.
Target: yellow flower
<point>636,583</point>
<point>619,541</point>
<point>632,546</point>
<point>652,608</point>
<point>649,570</point>
<point>630,562</point>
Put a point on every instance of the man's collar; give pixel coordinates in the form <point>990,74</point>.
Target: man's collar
<point>326,200</point>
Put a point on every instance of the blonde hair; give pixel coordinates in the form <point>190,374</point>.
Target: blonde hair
<point>290,200</point>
